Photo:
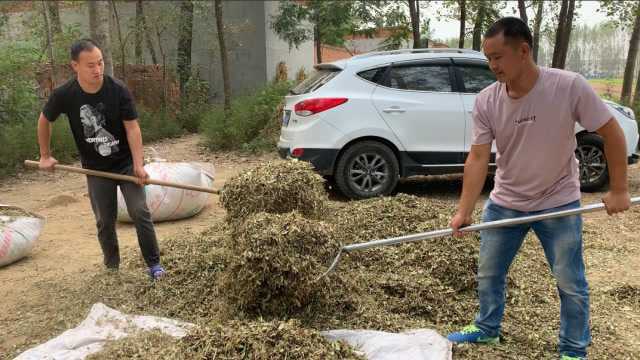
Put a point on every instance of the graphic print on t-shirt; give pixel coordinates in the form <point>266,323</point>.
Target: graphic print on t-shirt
<point>93,121</point>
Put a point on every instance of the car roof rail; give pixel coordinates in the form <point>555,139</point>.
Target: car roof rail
<point>416,51</point>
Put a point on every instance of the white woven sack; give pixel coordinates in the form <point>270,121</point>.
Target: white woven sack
<point>18,234</point>
<point>168,203</point>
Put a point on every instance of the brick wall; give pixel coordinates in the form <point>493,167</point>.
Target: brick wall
<point>144,81</point>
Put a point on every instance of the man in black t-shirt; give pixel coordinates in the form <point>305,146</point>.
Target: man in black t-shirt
<point>103,119</point>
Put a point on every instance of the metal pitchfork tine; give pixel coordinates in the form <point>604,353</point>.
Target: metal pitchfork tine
<point>475,227</point>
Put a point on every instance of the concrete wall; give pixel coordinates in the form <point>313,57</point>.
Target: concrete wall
<point>278,50</point>
<point>254,49</point>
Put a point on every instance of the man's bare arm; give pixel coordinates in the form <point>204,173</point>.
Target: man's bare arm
<point>134,137</point>
<point>47,161</point>
<point>617,198</point>
<point>475,174</point>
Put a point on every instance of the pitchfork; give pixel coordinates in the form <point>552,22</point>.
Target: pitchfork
<point>470,228</point>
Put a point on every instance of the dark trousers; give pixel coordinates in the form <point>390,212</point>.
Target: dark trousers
<point>104,202</point>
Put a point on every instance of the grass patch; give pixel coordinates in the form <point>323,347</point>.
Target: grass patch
<point>609,89</point>
<point>19,142</point>
<point>157,125</point>
<point>248,124</point>
<point>606,81</point>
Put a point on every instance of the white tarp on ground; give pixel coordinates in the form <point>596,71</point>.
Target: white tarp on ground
<point>18,234</point>
<point>105,324</point>
<point>168,203</point>
<point>423,344</point>
<point>101,325</point>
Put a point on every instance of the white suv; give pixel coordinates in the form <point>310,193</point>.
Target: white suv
<point>371,119</point>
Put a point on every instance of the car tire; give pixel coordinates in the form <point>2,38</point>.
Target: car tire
<point>593,171</point>
<point>367,169</point>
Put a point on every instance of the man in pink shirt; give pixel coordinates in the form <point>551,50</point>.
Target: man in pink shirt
<point>530,112</point>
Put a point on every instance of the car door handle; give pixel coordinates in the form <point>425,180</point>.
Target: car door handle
<point>394,109</point>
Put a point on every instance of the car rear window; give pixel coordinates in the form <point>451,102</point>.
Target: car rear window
<point>374,75</point>
<point>315,81</point>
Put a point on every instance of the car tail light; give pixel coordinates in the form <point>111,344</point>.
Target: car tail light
<point>314,106</point>
<point>297,152</point>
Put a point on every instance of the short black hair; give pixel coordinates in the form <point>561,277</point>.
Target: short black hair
<point>81,45</point>
<point>512,28</point>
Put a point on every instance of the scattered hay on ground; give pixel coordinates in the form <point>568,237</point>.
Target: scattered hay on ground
<point>142,345</point>
<point>626,294</point>
<point>452,261</point>
<point>256,340</point>
<point>275,187</point>
<point>12,211</point>
<point>428,284</point>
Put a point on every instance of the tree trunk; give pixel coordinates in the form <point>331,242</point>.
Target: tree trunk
<point>147,34</point>
<point>100,28</point>
<point>54,18</point>
<point>159,32</point>
<point>636,97</point>
<point>47,24</point>
<point>557,47</point>
<point>223,57</point>
<point>567,34</point>
<point>185,38</point>
<point>463,20</point>
<point>415,23</point>
<point>123,50</point>
<point>477,29</point>
<point>523,11</point>
<point>93,19</point>
<point>139,33</point>
<point>318,43</point>
<point>536,30</point>
<point>629,69</point>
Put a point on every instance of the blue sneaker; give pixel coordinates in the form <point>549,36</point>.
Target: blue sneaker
<point>472,334</point>
<point>156,272</point>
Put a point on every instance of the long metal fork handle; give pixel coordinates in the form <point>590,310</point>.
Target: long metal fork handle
<point>471,228</point>
<point>482,226</point>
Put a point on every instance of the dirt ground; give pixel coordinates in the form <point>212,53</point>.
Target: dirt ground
<point>68,246</point>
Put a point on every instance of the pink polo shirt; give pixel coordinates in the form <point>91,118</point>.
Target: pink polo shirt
<point>536,165</point>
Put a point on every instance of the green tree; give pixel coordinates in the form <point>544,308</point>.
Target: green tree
<point>99,26</point>
<point>54,17</point>
<point>185,37</point>
<point>627,15</point>
<point>477,14</point>
<point>522,7</point>
<point>483,14</point>
<point>456,10</point>
<point>223,56</point>
<point>143,31</point>
<point>537,23</point>
<point>563,33</point>
<point>414,13</point>
<point>329,21</point>
<point>463,16</point>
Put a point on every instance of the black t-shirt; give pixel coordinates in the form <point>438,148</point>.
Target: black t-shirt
<point>96,121</point>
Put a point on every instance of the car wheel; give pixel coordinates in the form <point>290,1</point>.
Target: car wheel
<point>593,164</point>
<point>367,169</point>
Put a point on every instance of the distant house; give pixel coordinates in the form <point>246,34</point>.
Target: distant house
<point>358,44</point>
<point>254,49</point>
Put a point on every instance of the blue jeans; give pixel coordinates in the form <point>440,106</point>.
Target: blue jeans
<point>561,240</point>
